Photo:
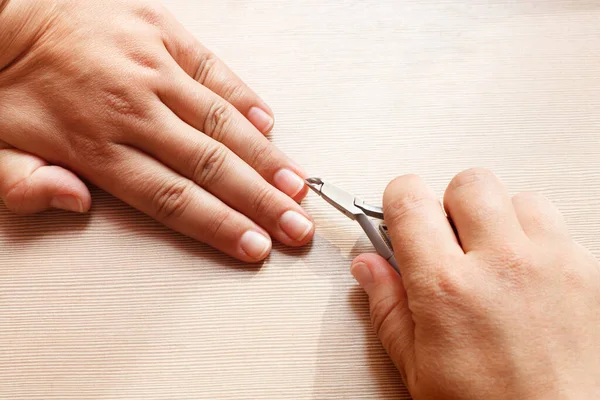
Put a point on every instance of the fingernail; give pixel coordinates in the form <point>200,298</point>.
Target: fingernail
<point>288,182</point>
<point>260,119</point>
<point>295,225</point>
<point>255,245</point>
<point>362,274</point>
<point>67,203</point>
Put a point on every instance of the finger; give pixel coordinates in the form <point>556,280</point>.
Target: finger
<point>207,69</point>
<point>482,211</point>
<point>219,171</point>
<point>539,218</point>
<point>181,205</point>
<point>390,315</point>
<point>213,116</point>
<point>421,234</point>
<point>28,185</point>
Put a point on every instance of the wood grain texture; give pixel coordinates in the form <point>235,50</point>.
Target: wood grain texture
<point>113,306</point>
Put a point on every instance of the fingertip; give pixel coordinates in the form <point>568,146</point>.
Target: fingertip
<point>302,175</point>
<point>67,203</point>
<point>301,194</point>
<point>298,227</point>
<point>369,259</point>
<point>362,274</point>
<point>290,182</point>
<point>372,269</point>
<point>468,178</point>
<point>30,186</point>
<point>409,187</point>
<point>86,201</point>
<point>65,190</point>
<point>255,245</point>
<point>398,182</point>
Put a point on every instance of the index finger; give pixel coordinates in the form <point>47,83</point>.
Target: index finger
<point>421,234</point>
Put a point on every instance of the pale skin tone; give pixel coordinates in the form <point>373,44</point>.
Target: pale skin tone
<point>119,94</point>
<point>507,308</point>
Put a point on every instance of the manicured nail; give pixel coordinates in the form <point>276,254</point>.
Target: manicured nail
<point>295,225</point>
<point>255,245</point>
<point>362,274</point>
<point>288,182</point>
<point>67,203</point>
<point>260,119</point>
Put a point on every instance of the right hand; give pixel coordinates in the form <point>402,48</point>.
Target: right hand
<point>509,309</point>
<point>119,93</point>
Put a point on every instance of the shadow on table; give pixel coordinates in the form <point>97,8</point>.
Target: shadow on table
<point>130,225</point>
<point>21,229</point>
<point>336,349</point>
<point>136,223</point>
<point>335,376</point>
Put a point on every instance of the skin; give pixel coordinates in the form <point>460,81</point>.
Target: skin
<point>118,93</point>
<point>507,308</point>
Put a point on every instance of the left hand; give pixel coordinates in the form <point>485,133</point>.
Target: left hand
<point>119,93</point>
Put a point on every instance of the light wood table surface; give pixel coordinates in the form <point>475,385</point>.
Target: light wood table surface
<point>113,306</point>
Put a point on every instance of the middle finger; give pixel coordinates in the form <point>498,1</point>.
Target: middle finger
<point>212,115</point>
<point>212,166</point>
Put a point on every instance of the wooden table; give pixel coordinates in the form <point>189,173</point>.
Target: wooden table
<point>113,306</point>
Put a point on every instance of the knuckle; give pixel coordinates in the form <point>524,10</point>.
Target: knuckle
<point>171,200</point>
<point>261,154</point>
<point>448,286</point>
<point>452,292</point>
<point>514,263</point>
<point>120,105</point>
<point>473,176</point>
<point>574,278</point>
<point>263,201</point>
<point>206,63</point>
<point>151,12</point>
<point>412,200</point>
<point>83,148</point>
<point>217,120</point>
<point>382,312</point>
<point>510,256</point>
<point>574,264</point>
<point>14,199</point>
<point>218,222</point>
<point>234,91</point>
<point>148,61</point>
<point>210,166</point>
<point>532,202</point>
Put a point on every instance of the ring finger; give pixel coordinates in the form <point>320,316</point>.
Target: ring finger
<point>180,204</point>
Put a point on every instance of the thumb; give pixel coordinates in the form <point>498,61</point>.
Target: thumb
<point>390,315</point>
<point>28,185</point>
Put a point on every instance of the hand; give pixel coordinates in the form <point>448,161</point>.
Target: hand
<point>508,310</point>
<point>119,93</point>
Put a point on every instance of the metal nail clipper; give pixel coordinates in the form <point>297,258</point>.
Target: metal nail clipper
<point>356,209</point>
